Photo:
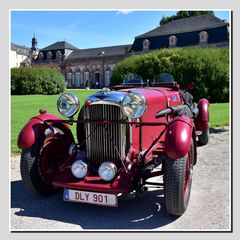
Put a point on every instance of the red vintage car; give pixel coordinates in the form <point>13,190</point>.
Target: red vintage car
<point>125,136</point>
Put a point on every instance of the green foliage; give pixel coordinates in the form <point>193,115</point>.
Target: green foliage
<point>207,67</point>
<point>36,81</point>
<point>183,14</point>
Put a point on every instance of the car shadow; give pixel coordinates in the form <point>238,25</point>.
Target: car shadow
<point>131,214</point>
<point>217,130</point>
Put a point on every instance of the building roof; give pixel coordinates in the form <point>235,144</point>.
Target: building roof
<point>60,45</point>
<point>189,24</point>
<point>100,52</point>
<point>20,49</point>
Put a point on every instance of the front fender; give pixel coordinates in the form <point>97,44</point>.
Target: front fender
<point>178,137</point>
<point>35,127</point>
<point>202,120</point>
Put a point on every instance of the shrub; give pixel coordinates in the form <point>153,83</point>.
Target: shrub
<point>207,67</point>
<point>36,81</point>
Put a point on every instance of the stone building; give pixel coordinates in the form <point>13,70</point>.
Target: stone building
<point>93,67</point>
<point>54,55</point>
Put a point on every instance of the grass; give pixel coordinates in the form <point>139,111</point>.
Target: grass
<point>25,107</point>
<point>219,114</point>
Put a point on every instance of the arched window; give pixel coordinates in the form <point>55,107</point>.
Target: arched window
<point>203,37</point>
<point>49,55</point>
<point>77,78</point>
<point>107,76</point>
<point>96,78</point>
<point>69,78</point>
<point>86,77</point>
<point>172,41</point>
<point>146,44</point>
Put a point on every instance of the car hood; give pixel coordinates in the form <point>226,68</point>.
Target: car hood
<point>152,95</point>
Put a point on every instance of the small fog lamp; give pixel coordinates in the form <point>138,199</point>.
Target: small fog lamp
<point>107,171</point>
<point>79,169</point>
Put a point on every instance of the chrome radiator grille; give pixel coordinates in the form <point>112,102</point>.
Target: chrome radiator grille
<point>104,139</point>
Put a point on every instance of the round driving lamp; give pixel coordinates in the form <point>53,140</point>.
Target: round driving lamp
<point>79,169</point>
<point>134,105</point>
<point>107,171</point>
<point>68,104</point>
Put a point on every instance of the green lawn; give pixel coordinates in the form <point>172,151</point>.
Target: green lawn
<point>25,107</point>
<point>219,114</point>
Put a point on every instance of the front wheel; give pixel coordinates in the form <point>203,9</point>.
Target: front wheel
<point>178,182</point>
<point>39,163</point>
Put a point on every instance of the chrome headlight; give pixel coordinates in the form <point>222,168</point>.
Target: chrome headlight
<point>79,169</point>
<point>68,104</point>
<point>107,171</point>
<point>134,105</point>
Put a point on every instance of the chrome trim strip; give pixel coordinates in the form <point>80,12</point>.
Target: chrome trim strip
<point>112,97</point>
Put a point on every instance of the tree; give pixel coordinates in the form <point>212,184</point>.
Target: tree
<point>183,14</point>
<point>207,67</point>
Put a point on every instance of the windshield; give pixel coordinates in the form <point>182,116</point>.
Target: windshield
<point>164,78</point>
<point>133,79</point>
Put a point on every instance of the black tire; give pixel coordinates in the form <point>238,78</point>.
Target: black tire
<point>35,178</point>
<point>203,138</point>
<point>178,182</point>
<point>31,176</point>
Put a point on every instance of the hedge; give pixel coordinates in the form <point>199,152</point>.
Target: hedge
<point>36,81</point>
<point>207,67</point>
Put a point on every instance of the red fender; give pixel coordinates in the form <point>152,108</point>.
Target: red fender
<point>178,137</point>
<point>202,119</point>
<point>35,127</point>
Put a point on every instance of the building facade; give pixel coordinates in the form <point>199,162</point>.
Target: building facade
<point>204,30</point>
<point>18,55</point>
<point>93,67</point>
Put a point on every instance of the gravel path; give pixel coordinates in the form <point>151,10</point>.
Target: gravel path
<point>209,207</point>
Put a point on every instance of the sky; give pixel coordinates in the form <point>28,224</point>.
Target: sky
<point>86,29</point>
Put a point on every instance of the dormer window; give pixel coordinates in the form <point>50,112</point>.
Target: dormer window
<point>49,55</point>
<point>58,54</point>
<point>101,53</point>
<point>203,37</point>
<point>146,44</point>
<point>40,56</point>
<point>172,41</point>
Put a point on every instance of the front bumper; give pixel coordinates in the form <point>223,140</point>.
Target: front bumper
<point>121,184</point>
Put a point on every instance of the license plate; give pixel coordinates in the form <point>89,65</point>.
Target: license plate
<point>104,199</point>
